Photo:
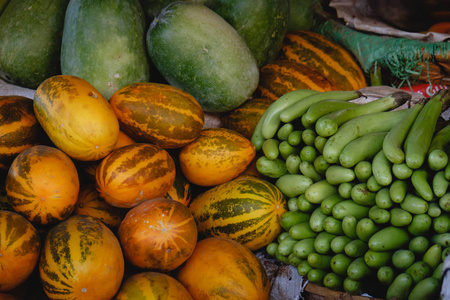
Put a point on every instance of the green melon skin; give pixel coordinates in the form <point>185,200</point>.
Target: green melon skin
<point>153,7</point>
<point>301,16</point>
<point>262,24</point>
<point>3,4</point>
<point>30,41</point>
<point>104,43</point>
<point>198,51</point>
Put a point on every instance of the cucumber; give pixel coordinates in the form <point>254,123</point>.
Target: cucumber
<point>109,52</point>
<point>30,41</point>
<point>262,24</point>
<point>389,238</point>
<point>196,50</point>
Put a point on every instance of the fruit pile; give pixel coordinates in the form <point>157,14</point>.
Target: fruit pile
<point>367,189</point>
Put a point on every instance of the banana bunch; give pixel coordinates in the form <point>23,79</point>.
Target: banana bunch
<point>367,189</point>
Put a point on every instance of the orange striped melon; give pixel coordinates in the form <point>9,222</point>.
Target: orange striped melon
<point>134,173</point>
<point>42,184</point>
<point>332,60</point>
<point>81,259</point>
<point>76,117</point>
<point>90,203</point>
<point>282,76</point>
<point>152,285</point>
<point>158,113</point>
<point>158,234</point>
<point>19,128</point>
<point>19,248</point>
<point>223,269</point>
<point>244,118</point>
<point>216,156</point>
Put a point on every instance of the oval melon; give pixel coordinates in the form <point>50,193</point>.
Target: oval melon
<point>108,51</point>
<point>158,113</point>
<point>196,50</point>
<point>76,117</point>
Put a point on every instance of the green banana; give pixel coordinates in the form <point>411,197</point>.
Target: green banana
<point>420,135</point>
<point>328,125</point>
<point>296,110</point>
<point>272,120</point>
<point>393,143</point>
<point>357,127</point>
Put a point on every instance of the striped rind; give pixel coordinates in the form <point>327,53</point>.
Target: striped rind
<point>81,259</point>
<point>282,76</point>
<point>19,249</point>
<point>76,117</point>
<point>90,203</point>
<point>42,184</point>
<point>135,173</point>
<point>216,156</point>
<point>331,59</point>
<point>221,268</point>
<point>158,234</point>
<point>244,118</point>
<point>158,113</point>
<point>152,285</point>
<point>246,210</point>
<point>19,128</point>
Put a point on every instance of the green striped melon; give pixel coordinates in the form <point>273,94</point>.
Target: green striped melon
<point>19,128</point>
<point>246,210</point>
<point>81,259</point>
<point>332,60</point>
<point>283,76</point>
<point>134,173</point>
<point>158,113</point>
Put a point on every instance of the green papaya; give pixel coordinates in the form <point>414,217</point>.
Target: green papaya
<point>30,41</point>
<point>196,50</point>
<point>104,43</point>
<point>262,24</point>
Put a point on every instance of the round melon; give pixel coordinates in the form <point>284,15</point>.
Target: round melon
<point>42,184</point>
<point>90,203</point>
<point>158,234</point>
<point>158,113</point>
<point>224,269</point>
<point>81,259</point>
<point>19,250</point>
<point>246,210</point>
<point>76,117</point>
<point>244,118</point>
<point>216,156</point>
<point>283,76</point>
<point>152,286</point>
<point>88,168</point>
<point>319,52</point>
<point>19,128</point>
<point>134,173</point>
